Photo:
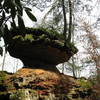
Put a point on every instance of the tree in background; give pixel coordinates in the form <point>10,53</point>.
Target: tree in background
<point>61,9</point>
<point>73,67</point>
<point>91,46</point>
<point>83,12</point>
<point>92,51</point>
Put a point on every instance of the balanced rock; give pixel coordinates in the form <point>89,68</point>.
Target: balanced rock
<point>39,48</point>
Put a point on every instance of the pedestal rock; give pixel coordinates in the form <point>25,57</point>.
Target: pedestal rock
<point>40,51</point>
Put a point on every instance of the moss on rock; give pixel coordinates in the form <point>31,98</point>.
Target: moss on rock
<point>37,45</point>
<point>39,35</point>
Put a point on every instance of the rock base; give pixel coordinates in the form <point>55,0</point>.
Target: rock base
<point>39,84</point>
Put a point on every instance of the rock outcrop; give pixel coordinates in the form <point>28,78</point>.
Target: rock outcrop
<point>39,84</point>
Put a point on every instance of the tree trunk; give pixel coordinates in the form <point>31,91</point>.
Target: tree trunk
<point>73,68</point>
<point>65,21</point>
<point>70,21</point>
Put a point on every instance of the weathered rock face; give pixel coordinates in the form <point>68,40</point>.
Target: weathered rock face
<point>39,48</point>
<point>39,84</point>
<point>38,55</point>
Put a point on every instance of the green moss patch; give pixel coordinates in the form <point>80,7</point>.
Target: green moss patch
<point>42,35</point>
<point>85,84</point>
<point>27,37</point>
<point>36,34</point>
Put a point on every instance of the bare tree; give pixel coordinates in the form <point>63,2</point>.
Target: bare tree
<point>92,45</point>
